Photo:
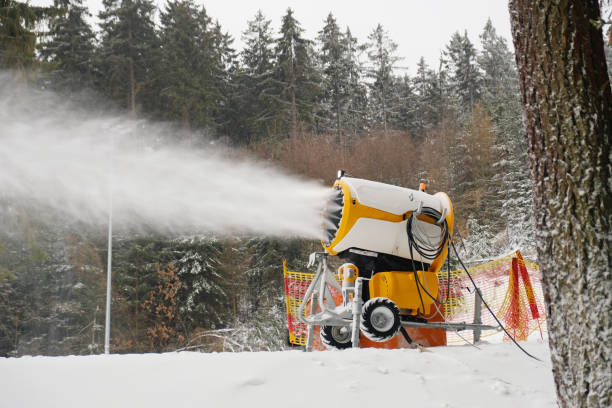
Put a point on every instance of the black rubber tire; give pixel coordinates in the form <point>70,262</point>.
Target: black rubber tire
<point>380,319</point>
<point>336,337</point>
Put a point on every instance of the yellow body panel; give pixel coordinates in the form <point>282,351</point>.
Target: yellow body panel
<point>401,288</point>
<point>354,210</point>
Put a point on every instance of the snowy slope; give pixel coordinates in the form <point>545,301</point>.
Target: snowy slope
<point>497,376</point>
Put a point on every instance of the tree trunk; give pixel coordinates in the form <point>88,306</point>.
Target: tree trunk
<point>293,131</point>
<point>567,105</point>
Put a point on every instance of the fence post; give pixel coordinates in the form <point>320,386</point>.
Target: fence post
<point>477,313</point>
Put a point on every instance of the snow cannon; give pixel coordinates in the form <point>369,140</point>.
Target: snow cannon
<point>393,241</point>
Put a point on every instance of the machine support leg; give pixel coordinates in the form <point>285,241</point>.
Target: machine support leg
<point>311,327</point>
<point>309,337</point>
<point>477,314</point>
<point>357,306</point>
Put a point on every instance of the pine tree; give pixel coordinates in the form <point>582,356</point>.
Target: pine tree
<point>188,79</point>
<point>344,97</point>
<point>88,292</point>
<point>226,72</point>
<point>255,80</point>
<point>422,89</point>
<point>203,302</point>
<point>258,54</point>
<point>496,62</point>
<point>478,244</point>
<point>500,97</point>
<point>381,53</point>
<point>70,48</point>
<point>297,80</point>
<point>465,78</point>
<point>479,196</point>
<point>18,35</point>
<point>427,99</point>
<point>47,299</point>
<point>134,277</point>
<point>263,308</point>
<point>404,99</point>
<point>335,86</point>
<point>432,96</point>
<point>128,52</point>
<point>356,111</point>
<point>7,296</point>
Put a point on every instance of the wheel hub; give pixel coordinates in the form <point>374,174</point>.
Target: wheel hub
<point>341,334</point>
<point>382,319</point>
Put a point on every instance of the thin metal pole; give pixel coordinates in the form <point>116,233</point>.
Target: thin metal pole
<point>109,261</point>
<point>109,264</point>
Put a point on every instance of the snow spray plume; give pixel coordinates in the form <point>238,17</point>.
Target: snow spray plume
<point>53,155</point>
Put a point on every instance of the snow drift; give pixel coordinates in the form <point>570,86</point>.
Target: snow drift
<point>497,375</point>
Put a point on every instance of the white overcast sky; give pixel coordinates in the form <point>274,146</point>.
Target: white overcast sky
<point>419,27</point>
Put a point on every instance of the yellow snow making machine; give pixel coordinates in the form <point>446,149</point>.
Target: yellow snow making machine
<point>394,240</point>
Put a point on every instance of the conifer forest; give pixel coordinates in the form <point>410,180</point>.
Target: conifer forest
<point>308,106</point>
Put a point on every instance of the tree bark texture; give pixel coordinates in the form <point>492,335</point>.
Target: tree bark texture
<point>567,107</point>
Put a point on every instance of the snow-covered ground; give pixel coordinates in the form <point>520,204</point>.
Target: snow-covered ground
<point>496,375</point>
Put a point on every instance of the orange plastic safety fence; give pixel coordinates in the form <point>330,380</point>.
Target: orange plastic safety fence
<point>296,285</point>
<point>510,285</point>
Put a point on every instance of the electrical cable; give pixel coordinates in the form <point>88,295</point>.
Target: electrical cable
<point>426,291</point>
<point>416,278</point>
<point>456,332</point>
<point>446,321</point>
<point>430,252</point>
<point>447,296</point>
<point>418,239</point>
<point>466,340</point>
<point>424,247</point>
<point>487,306</point>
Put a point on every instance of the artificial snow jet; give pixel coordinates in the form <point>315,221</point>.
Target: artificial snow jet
<point>393,241</point>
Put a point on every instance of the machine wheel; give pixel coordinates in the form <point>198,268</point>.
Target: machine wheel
<point>380,319</point>
<point>338,337</point>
